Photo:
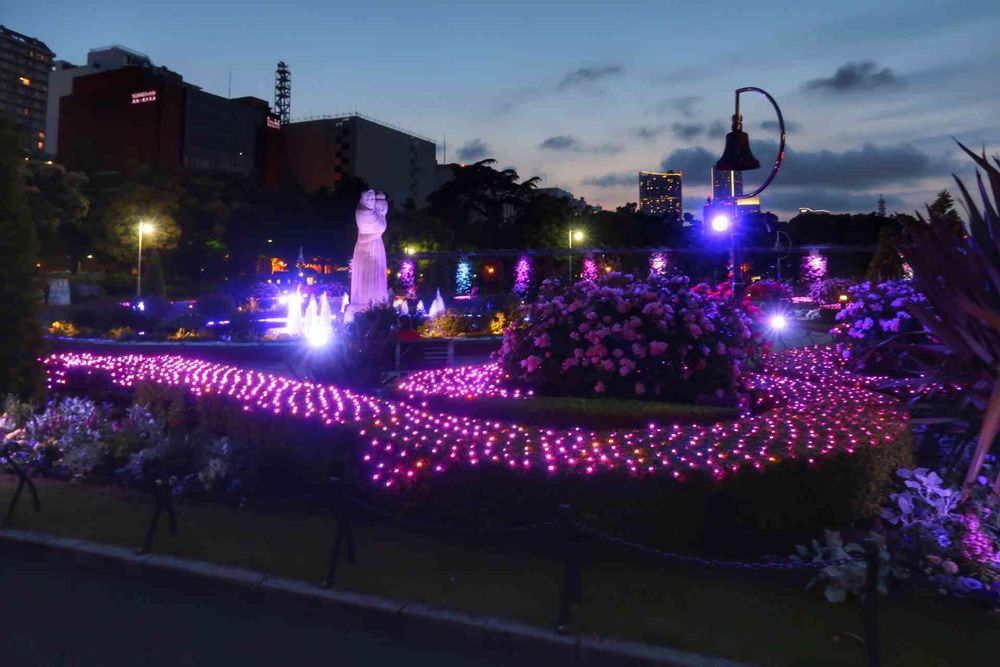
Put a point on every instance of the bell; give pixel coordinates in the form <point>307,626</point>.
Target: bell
<point>737,155</point>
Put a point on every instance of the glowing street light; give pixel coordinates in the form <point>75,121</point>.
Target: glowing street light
<point>777,322</point>
<point>144,228</point>
<point>721,223</point>
<point>574,235</point>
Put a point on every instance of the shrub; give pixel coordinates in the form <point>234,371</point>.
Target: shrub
<point>747,513</point>
<point>364,352</point>
<point>770,292</point>
<point>875,314</point>
<point>828,292</point>
<point>64,329</point>
<point>450,324</point>
<point>622,337</point>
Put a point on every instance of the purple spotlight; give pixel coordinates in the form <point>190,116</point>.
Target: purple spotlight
<point>777,322</point>
<point>721,223</point>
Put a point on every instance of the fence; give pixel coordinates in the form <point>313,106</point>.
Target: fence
<point>565,531</point>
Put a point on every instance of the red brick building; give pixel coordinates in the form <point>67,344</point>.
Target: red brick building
<point>149,115</point>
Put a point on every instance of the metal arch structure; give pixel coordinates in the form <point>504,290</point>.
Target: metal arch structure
<point>283,93</point>
<point>781,127</point>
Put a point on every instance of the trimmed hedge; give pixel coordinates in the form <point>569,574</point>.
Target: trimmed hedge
<point>742,514</point>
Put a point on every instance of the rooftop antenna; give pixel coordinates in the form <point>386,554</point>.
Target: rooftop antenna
<point>230,83</point>
<point>283,93</point>
<point>445,159</point>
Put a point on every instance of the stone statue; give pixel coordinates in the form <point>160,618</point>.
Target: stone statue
<point>368,276</point>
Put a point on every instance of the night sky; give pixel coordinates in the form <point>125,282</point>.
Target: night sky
<point>585,94</point>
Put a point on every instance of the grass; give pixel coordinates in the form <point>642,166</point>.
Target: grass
<point>592,413</point>
<point>767,619</point>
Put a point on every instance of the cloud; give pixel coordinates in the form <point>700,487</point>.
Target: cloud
<point>649,131</point>
<point>695,159</point>
<point>684,104</point>
<point>717,130</point>
<point>473,150</point>
<point>790,125</point>
<point>620,179</point>
<point>582,76</point>
<point>564,142</point>
<point>560,142</point>
<point>856,77</point>
<point>870,166</point>
<point>686,131</point>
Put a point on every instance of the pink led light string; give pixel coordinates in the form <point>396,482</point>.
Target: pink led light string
<point>814,408</point>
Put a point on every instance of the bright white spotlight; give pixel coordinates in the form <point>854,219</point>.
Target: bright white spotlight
<point>721,223</point>
<point>777,322</point>
<point>318,335</point>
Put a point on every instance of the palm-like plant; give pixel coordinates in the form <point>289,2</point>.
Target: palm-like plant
<point>958,270</point>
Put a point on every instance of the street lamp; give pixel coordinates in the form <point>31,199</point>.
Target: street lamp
<point>573,235</point>
<point>737,156</point>
<point>144,228</point>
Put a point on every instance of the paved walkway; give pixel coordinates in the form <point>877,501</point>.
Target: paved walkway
<point>59,613</point>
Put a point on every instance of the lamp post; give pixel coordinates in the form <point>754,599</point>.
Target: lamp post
<point>737,156</point>
<point>573,235</point>
<point>144,228</point>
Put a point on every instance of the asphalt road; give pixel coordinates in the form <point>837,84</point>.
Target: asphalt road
<point>61,613</point>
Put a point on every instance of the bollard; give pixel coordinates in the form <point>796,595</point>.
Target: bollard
<point>570,592</point>
<point>872,646</point>
<point>163,499</point>
<point>22,481</point>
<point>343,533</point>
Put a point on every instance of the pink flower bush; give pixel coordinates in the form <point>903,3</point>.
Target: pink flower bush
<point>619,336</point>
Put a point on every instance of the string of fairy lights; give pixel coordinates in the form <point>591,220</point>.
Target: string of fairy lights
<point>806,405</point>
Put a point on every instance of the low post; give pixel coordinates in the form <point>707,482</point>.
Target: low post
<point>163,499</point>
<point>343,533</point>
<point>570,592</point>
<point>22,481</point>
<point>872,647</point>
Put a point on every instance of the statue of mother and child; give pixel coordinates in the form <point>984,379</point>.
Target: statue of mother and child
<point>368,274</point>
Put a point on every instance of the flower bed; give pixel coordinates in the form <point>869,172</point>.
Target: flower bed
<point>818,448</point>
<point>617,336</point>
<point>811,407</point>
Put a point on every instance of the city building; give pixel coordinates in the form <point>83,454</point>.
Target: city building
<point>660,194</point>
<point>727,184</point>
<point>25,63</point>
<point>145,114</point>
<point>322,152</point>
<point>101,59</point>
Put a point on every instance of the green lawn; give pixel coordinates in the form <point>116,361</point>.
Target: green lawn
<point>768,619</point>
<point>593,413</point>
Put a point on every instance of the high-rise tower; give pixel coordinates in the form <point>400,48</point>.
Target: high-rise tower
<point>283,93</point>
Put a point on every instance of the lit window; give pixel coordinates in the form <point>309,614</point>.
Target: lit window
<point>25,81</point>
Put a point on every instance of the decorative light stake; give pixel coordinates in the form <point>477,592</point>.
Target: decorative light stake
<point>522,276</point>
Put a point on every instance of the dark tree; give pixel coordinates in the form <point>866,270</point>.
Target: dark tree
<point>944,208</point>
<point>20,336</point>
<point>482,203</point>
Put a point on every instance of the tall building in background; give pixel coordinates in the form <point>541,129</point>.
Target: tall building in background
<point>103,59</point>
<point>323,152</point>
<point>25,63</point>
<point>727,184</point>
<point>660,194</point>
<point>150,115</point>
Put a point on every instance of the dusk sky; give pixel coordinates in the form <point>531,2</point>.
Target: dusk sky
<point>585,94</point>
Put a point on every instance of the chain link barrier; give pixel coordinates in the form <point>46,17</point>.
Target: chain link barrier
<point>603,537</point>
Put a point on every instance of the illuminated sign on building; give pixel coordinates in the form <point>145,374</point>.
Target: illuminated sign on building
<point>273,123</point>
<point>144,96</point>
